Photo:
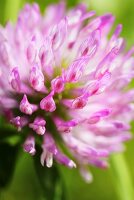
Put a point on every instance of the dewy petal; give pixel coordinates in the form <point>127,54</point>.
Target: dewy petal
<point>98,115</point>
<point>103,81</point>
<point>16,121</point>
<point>106,23</point>
<point>54,13</point>
<point>86,51</point>
<point>76,15</point>
<point>7,103</point>
<point>79,102</point>
<point>31,53</point>
<point>29,145</point>
<point>90,45</point>
<point>58,34</point>
<point>104,65</point>
<point>117,32</point>
<point>4,53</point>
<point>19,122</point>
<point>47,157</point>
<point>45,53</point>
<point>84,171</point>
<point>50,150</point>
<point>88,15</point>
<point>37,79</point>
<point>49,160</point>
<point>57,85</point>
<point>15,80</point>
<point>38,125</point>
<point>61,158</point>
<point>63,126</point>
<point>74,72</point>
<point>48,104</point>
<point>49,144</point>
<point>26,107</point>
<point>99,163</point>
<point>43,156</point>
<point>29,16</point>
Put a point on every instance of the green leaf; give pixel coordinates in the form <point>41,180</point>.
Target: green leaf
<point>8,155</point>
<point>50,180</point>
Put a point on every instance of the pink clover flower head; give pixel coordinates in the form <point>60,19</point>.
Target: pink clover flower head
<point>63,79</point>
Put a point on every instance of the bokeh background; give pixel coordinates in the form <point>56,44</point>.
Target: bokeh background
<point>115,183</point>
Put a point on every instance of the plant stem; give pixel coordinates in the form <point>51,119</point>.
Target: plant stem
<point>122,177</point>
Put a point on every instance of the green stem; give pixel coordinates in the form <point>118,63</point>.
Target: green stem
<point>122,177</point>
<point>11,9</point>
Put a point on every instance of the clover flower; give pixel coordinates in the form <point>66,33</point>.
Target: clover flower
<point>65,84</point>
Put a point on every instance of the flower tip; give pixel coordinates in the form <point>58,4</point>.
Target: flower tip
<point>127,137</point>
<point>15,79</point>
<point>103,153</point>
<point>57,85</point>
<point>29,145</point>
<point>42,158</point>
<point>79,103</point>
<point>41,130</point>
<point>29,149</point>
<point>37,79</point>
<point>48,104</point>
<point>49,164</point>
<point>38,126</point>
<point>87,176</point>
<point>72,164</point>
<point>30,53</point>
<point>26,107</point>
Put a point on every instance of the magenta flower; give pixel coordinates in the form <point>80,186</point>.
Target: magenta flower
<point>67,83</point>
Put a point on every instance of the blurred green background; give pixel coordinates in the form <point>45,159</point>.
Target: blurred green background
<point>115,183</point>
